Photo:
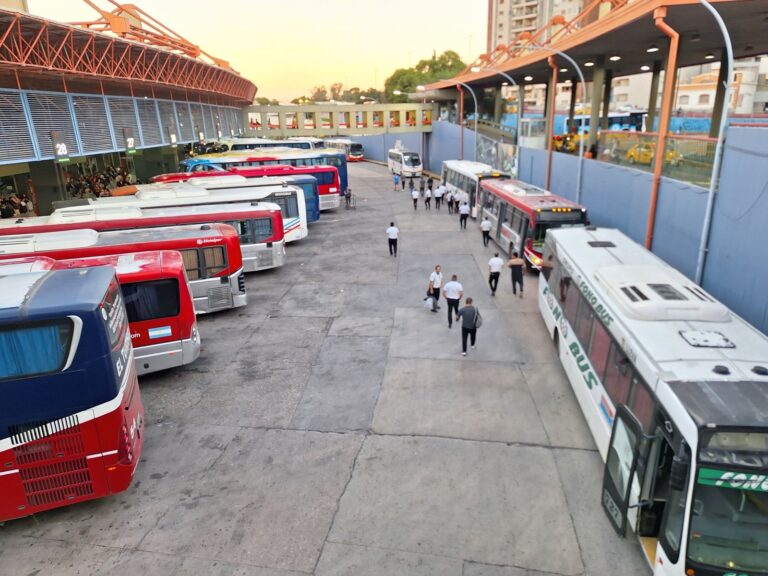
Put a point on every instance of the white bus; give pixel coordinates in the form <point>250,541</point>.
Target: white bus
<point>353,150</point>
<point>464,176</point>
<point>228,189</point>
<point>674,387</point>
<point>404,163</point>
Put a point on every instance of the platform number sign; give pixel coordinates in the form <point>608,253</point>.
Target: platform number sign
<point>172,138</point>
<point>60,148</point>
<point>201,137</point>
<point>130,141</point>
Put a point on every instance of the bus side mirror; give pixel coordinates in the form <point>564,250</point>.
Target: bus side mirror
<point>678,474</point>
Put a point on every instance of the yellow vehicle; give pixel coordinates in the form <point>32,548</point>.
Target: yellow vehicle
<point>645,152</point>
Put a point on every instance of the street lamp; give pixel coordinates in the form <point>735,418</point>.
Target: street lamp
<point>715,176</point>
<point>519,103</point>
<point>583,109</point>
<point>477,110</point>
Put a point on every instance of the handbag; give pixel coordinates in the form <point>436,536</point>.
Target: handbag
<point>429,303</point>
<point>478,318</point>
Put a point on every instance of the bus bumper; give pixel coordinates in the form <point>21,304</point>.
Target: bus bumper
<point>264,258</point>
<point>329,201</point>
<point>220,293</point>
<point>167,355</point>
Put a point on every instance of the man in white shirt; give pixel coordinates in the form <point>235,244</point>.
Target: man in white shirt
<point>392,233</point>
<point>453,292</point>
<point>433,288</point>
<point>439,196</point>
<point>415,196</point>
<point>427,198</point>
<point>449,201</point>
<point>485,226</point>
<point>495,265</point>
<point>463,215</point>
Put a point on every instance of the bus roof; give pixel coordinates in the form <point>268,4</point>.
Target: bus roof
<point>526,194</point>
<point>36,295</point>
<point>268,170</point>
<point>134,266</point>
<point>683,330</point>
<point>275,153</point>
<point>470,168</point>
<point>69,239</point>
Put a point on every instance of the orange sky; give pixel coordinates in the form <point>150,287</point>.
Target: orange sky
<point>288,46</point>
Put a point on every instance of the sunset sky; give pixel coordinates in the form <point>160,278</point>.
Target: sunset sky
<point>288,46</point>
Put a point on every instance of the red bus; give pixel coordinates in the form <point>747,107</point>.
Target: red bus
<point>211,254</point>
<point>158,299</point>
<point>328,183</point>
<point>71,416</point>
<point>259,225</point>
<point>521,214</point>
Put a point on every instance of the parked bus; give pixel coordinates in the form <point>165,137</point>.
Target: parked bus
<point>674,387</point>
<point>465,176</point>
<point>404,163</point>
<point>245,143</point>
<point>159,303</point>
<point>328,183</point>
<point>224,190</point>
<point>520,215</point>
<point>71,417</point>
<point>259,225</point>
<point>262,157</point>
<point>353,150</point>
<point>211,254</point>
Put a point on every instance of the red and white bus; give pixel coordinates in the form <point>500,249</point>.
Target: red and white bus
<point>328,183</point>
<point>211,255</point>
<point>71,416</point>
<point>521,214</point>
<point>353,150</point>
<point>259,225</point>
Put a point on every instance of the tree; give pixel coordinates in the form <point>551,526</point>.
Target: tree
<point>261,101</point>
<point>405,80</point>
<point>319,94</point>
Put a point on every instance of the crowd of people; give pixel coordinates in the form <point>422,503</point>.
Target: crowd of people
<point>452,292</point>
<point>15,205</point>
<point>97,184</point>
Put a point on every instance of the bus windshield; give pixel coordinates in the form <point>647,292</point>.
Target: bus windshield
<point>152,300</point>
<point>729,523</point>
<point>33,349</point>
<point>356,147</point>
<point>411,159</point>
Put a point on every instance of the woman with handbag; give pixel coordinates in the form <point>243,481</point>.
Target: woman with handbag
<point>471,320</point>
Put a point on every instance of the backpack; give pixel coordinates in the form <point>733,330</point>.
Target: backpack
<point>478,318</point>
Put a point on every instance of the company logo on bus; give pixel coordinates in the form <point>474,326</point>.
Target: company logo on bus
<point>201,241</point>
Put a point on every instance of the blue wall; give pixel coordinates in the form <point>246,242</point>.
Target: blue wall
<point>444,144</point>
<point>376,147</point>
<point>736,271</point>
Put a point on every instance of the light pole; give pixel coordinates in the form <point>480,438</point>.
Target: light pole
<point>583,110</point>
<point>512,81</point>
<point>715,176</point>
<point>477,110</point>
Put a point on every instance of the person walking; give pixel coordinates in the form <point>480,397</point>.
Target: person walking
<point>495,265</point>
<point>453,291</point>
<point>427,198</point>
<point>439,192</point>
<point>430,183</point>
<point>463,215</point>
<point>410,185</point>
<point>433,287</point>
<point>485,226</point>
<point>415,196</point>
<point>516,265</point>
<point>449,201</point>
<point>422,185</point>
<point>396,181</point>
<point>392,234</point>
<point>402,182</point>
<point>469,315</point>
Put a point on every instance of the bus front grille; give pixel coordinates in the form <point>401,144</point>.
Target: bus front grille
<point>220,298</point>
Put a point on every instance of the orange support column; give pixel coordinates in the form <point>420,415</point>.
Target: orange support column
<point>551,116</point>
<point>666,110</point>
<point>461,122</point>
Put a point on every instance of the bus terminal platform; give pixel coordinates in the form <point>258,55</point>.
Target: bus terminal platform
<point>332,427</point>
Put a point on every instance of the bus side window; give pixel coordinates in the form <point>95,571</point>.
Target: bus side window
<point>618,376</point>
<point>674,517</point>
<point>191,263</point>
<point>586,317</point>
<point>641,402</point>
<point>599,348</point>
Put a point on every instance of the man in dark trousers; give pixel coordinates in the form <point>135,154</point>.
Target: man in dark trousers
<point>453,292</point>
<point>468,315</point>
<point>392,234</point>
<point>516,265</point>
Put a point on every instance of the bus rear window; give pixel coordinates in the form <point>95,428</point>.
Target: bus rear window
<point>113,313</point>
<point>324,178</point>
<point>215,260</point>
<point>32,349</point>
<point>191,263</point>
<point>262,229</point>
<point>151,300</point>
<point>288,205</point>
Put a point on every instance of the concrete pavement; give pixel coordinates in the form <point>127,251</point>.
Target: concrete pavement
<point>332,427</point>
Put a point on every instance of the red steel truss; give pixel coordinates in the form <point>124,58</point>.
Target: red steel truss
<point>30,43</point>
